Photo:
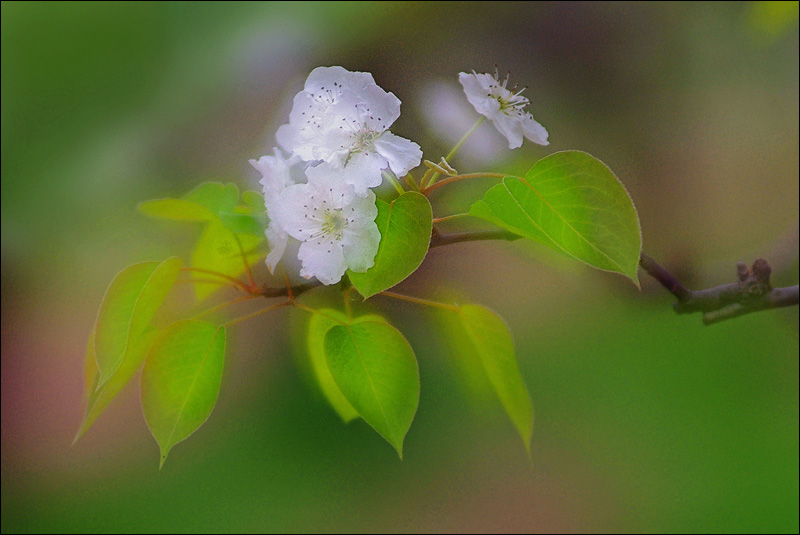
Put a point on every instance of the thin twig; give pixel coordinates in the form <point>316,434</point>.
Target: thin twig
<point>439,239</point>
<point>753,292</point>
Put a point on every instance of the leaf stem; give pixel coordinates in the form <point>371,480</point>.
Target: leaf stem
<point>419,301</point>
<point>431,186</point>
<point>223,305</point>
<point>206,281</point>
<point>449,217</point>
<point>237,282</point>
<point>256,313</point>
<point>458,145</point>
<point>250,278</point>
<point>393,181</point>
<point>315,311</point>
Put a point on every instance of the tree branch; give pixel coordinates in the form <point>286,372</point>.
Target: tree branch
<point>751,293</point>
<point>439,239</point>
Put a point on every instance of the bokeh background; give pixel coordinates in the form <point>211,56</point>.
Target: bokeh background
<point>645,421</point>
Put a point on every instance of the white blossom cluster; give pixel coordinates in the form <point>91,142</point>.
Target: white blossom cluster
<point>317,185</point>
<point>335,149</point>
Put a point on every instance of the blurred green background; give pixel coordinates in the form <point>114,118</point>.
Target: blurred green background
<point>645,421</point>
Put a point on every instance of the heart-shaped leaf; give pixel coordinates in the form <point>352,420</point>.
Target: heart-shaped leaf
<point>572,202</point>
<point>181,380</point>
<point>405,227</point>
<point>318,326</point>
<point>376,370</point>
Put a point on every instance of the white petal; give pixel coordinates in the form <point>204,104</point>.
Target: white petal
<point>323,260</point>
<point>361,246</point>
<point>379,109</point>
<point>362,210</point>
<point>363,171</point>
<point>401,154</point>
<point>476,87</point>
<point>307,122</point>
<point>277,239</point>
<point>286,136</point>
<point>275,172</point>
<point>533,130</point>
<point>329,184</point>
<point>510,127</point>
<point>295,212</point>
<point>323,78</point>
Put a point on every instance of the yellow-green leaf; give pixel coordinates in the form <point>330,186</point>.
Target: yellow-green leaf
<point>572,202</point>
<point>181,380</point>
<point>318,326</point>
<point>129,304</point>
<point>99,398</point>
<point>492,340</point>
<point>376,370</point>
<point>405,227</point>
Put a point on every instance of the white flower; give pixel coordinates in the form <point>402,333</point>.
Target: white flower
<point>503,107</point>
<point>277,173</point>
<point>336,227</point>
<point>342,118</point>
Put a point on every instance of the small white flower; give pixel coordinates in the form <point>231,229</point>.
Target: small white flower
<point>342,118</point>
<point>503,107</point>
<point>277,173</point>
<point>336,227</point>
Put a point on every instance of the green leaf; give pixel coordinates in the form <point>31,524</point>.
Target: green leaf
<point>89,369</point>
<point>130,302</point>
<point>321,322</point>
<point>176,210</point>
<point>572,202</point>
<point>243,223</point>
<point>215,196</point>
<point>492,340</point>
<point>376,371</point>
<point>254,200</point>
<point>218,250</point>
<point>98,399</point>
<point>181,380</point>
<point>405,227</point>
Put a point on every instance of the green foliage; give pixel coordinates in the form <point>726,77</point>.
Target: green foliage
<point>215,196</point>
<point>364,367</point>
<point>494,345</point>
<point>376,370</point>
<point>181,380</point>
<point>405,227</point>
<point>128,306</point>
<point>232,233</point>
<point>572,202</point>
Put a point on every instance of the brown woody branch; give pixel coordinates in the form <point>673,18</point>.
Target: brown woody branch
<point>753,291</point>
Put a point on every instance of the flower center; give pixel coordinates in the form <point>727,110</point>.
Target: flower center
<point>333,223</point>
<point>364,140</point>
<point>511,103</point>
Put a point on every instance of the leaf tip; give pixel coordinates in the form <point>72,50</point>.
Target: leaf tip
<point>635,280</point>
<point>79,434</point>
